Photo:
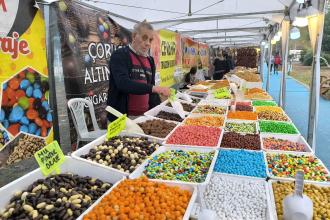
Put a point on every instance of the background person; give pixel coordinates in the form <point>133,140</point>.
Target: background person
<point>132,87</point>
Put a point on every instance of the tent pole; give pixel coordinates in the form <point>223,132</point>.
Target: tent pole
<point>270,48</point>
<point>285,50</point>
<point>262,61</point>
<point>314,96</point>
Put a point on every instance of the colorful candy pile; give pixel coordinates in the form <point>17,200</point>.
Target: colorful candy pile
<point>222,93</point>
<point>213,121</point>
<point>242,115</point>
<point>240,141</point>
<point>318,194</point>
<point>188,166</point>
<point>25,104</point>
<point>141,199</point>
<point>277,127</point>
<point>243,107</point>
<point>258,96</point>
<point>269,108</point>
<point>263,103</point>
<point>241,162</point>
<point>254,90</point>
<point>286,165</point>
<point>271,115</point>
<point>241,127</point>
<point>195,135</point>
<point>209,109</point>
<point>220,84</point>
<point>272,143</point>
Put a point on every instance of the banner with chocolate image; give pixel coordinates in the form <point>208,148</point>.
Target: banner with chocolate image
<point>88,37</point>
<point>25,115</point>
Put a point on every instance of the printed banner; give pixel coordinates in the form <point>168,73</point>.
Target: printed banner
<point>167,57</point>
<point>190,53</point>
<point>25,115</point>
<point>203,51</point>
<point>88,37</point>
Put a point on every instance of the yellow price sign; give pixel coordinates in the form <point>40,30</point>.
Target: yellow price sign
<point>115,127</point>
<point>50,158</point>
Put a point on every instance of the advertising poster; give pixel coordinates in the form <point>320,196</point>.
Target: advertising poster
<point>167,57</point>
<point>203,51</point>
<point>89,37</point>
<point>190,53</point>
<point>25,114</point>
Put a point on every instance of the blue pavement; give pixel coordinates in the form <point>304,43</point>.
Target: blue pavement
<point>297,102</point>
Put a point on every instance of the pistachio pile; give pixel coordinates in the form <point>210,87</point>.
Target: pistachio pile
<point>25,148</point>
<point>63,196</point>
<point>123,153</point>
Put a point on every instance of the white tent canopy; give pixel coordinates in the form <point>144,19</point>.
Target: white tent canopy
<point>231,15</point>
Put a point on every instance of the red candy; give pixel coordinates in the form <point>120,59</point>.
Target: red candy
<point>195,135</point>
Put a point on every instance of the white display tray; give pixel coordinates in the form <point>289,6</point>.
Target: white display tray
<point>146,118</point>
<point>238,121</point>
<point>254,151</point>
<point>279,133</point>
<point>154,111</point>
<point>215,105</point>
<point>188,187</point>
<point>226,148</point>
<point>272,206</point>
<point>198,115</point>
<point>181,101</point>
<point>217,102</point>
<point>270,175</point>
<point>250,85</point>
<point>194,146</point>
<point>139,171</point>
<point>294,138</point>
<point>238,178</point>
<point>69,166</point>
<point>85,150</point>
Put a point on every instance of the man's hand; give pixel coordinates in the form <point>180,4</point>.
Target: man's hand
<point>161,90</point>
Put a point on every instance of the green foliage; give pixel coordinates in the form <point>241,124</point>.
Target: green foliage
<point>326,34</point>
<point>308,58</point>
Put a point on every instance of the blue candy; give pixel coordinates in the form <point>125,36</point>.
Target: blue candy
<point>24,128</point>
<point>49,117</point>
<point>87,58</point>
<point>241,162</point>
<point>37,93</point>
<point>45,104</point>
<point>101,28</point>
<point>36,86</point>
<point>5,123</point>
<point>2,115</point>
<point>32,128</point>
<point>38,132</point>
<point>4,86</point>
<point>25,84</point>
<point>29,91</point>
<point>16,114</point>
<point>24,121</point>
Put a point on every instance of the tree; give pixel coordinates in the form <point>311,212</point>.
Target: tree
<point>326,34</point>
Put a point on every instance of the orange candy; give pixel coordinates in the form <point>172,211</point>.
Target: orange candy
<point>13,83</point>
<point>38,121</point>
<point>31,100</point>
<point>14,129</point>
<point>243,115</point>
<point>141,201</point>
<point>32,114</point>
<point>19,93</point>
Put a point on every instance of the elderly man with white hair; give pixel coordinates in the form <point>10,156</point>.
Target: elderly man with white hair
<point>132,88</point>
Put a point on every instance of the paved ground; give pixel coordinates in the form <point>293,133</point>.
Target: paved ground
<point>297,102</point>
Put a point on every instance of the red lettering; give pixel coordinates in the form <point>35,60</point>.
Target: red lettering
<point>2,3</point>
<point>14,46</point>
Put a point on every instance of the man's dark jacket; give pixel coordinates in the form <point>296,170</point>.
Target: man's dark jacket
<point>121,85</point>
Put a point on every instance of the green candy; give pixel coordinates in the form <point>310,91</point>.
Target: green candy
<point>30,77</point>
<point>241,127</point>
<point>24,102</point>
<point>277,127</point>
<point>263,103</point>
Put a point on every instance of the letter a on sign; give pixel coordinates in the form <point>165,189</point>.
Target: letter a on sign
<point>50,158</point>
